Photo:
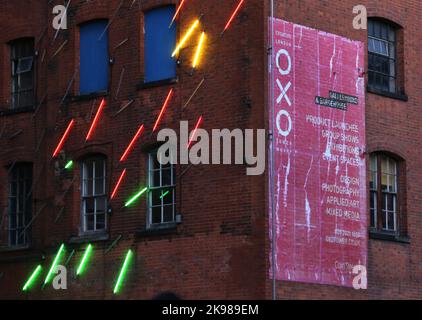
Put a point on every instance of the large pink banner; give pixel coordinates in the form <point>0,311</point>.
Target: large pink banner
<point>319,180</point>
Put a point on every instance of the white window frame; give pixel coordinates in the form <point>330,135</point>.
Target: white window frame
<point>374,189</point>
<point>17,73</point>
<point>164,188</point>
<point>102,196</point>
<point>381,195</point>
<point>386,43</point>
<point>391,190</point>
<point>18,170</point>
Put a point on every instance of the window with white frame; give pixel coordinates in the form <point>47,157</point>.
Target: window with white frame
<point>22,65</point>
<point>94,196</point>
<point>382,51</point>
<point>161,189</point>
<point>383,193</point>
<point>20,204</point>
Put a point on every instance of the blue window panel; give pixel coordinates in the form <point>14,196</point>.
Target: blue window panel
<point>94,60</point>
<point>160,41</point>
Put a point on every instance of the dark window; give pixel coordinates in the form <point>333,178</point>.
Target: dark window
<point>94,196</point>
<point>161,200</point>
<point>382,56</point>
<point>384,193</point>
<point>22,66</point>
<point>94,59</point>
<point>160,41</point>
<point>20,204</point>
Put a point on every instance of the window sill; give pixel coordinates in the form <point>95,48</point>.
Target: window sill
<point>384,236</point>
<point>21,254</point>
<point>160,230</point>
<point>160,83</point>
<point>15,249</point>
<point>89,96</point>
<point>90,237</point>
<point>8,112</point>
<point>397,96</point>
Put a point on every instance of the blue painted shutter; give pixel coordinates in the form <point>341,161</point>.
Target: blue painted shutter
<point>160,42</point>
<point>94,60</point>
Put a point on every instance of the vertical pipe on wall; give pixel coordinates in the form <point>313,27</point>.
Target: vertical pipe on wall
<point>271,175</point>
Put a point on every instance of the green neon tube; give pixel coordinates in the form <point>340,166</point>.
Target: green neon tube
<point>32,278</point>
<point>55,262</point>
<point>166,193</point>
<point>84,261</point>
<point>135,197</point>
<point>69,257</point>
<point>123,272</point>
<point>69,165</point>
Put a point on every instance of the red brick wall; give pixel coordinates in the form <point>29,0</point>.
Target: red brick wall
<point>392,126</point>
<point>217,250</point>
<point>221,249</point>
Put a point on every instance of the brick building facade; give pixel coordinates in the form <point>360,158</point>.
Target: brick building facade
<point>218,245</point>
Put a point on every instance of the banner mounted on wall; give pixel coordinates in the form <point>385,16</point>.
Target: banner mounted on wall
<point>318,178</point>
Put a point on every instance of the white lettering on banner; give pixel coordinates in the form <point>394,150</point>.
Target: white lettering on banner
<point>282,132</point>
<point>277,59</point>
<point>318,199</point>
<point>283,95</point>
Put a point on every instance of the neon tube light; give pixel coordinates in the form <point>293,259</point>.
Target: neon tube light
<point>177,12</point>
<point>85,258</point>
<point>185,38</point>
<point>63,139</point>
<point>233,15</point>
<point>123,272</point>
<point>69,165</point>
<point>198,50</point>
<point>193,94</point>
<point>163,109</point>
<point>135,197</point>
<point>53,266</point>
<point>32,278</point>
<point>166,193</point>
<point>69,257</point>
<point>194,131</point>
<point>96,119</point>
<point>132,143</point>
<point>119,182</point>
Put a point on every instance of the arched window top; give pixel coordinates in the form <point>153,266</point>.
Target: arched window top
<point>92,21</point>
<point>389,154</point>
<point>385,21</point>
<point>22,39</point>
<point>382,29</point>
<point>92,155</point>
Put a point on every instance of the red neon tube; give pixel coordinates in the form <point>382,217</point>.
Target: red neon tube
<point>131,144</point>
<point>63,139</point>
<point>177,11</point>
<point>95,122</point>
<point>194,131</point>
<point>233,15</point>
<point>163,109</point>
<point>119,182</point>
